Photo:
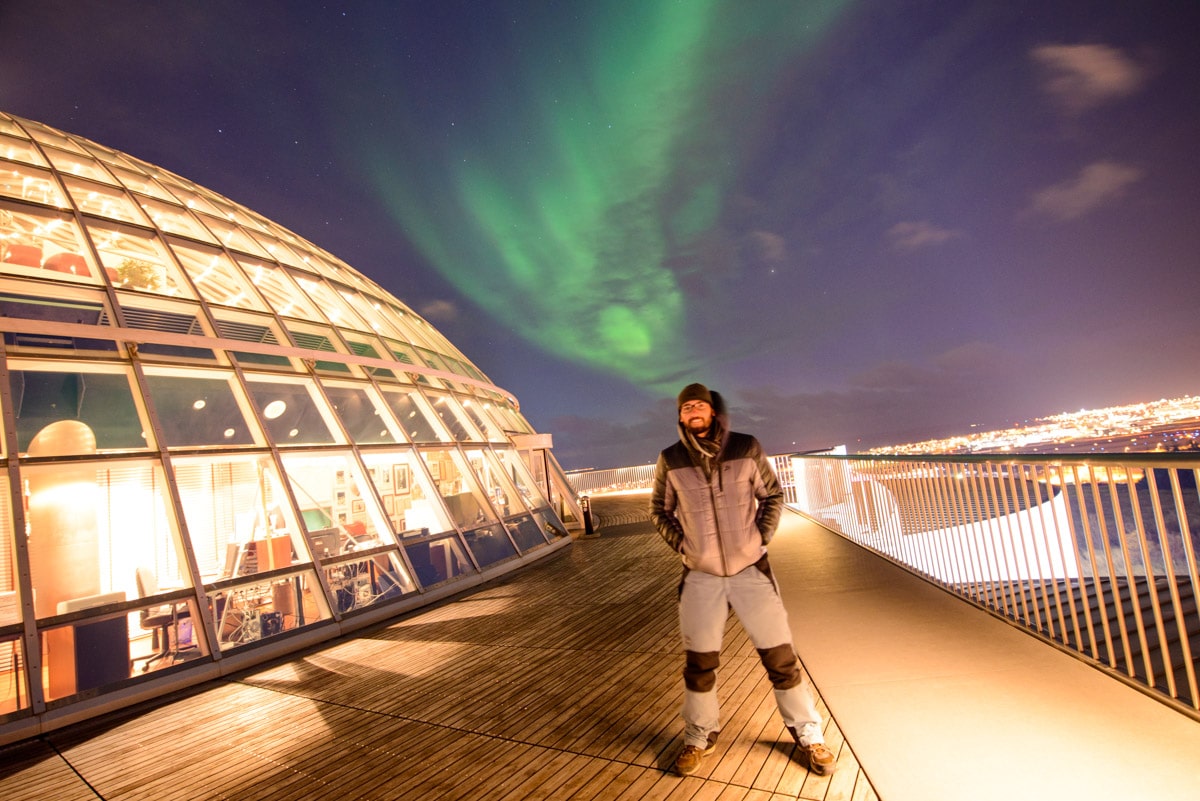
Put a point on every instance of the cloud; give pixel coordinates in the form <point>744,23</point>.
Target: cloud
<point>1096,185</point>
<point>1082,77</point>
<point>913,235</point>
<point>768,246</point>
<point>442,311</point>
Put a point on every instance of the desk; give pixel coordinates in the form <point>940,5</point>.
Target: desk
<point>90,653</point>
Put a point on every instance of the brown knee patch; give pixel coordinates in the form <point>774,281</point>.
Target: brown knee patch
<point>782,665</point>
<point>700,670</point>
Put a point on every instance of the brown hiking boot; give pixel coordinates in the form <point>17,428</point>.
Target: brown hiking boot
<point>812,745</point>
<point>820,758</point>
<point>689,759</point>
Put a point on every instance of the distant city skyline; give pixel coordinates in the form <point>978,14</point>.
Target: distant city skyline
<point>1161,425</point>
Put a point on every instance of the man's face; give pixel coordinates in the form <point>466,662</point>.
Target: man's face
<point>697,416</point>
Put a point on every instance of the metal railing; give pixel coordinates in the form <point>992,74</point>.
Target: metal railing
<point>618,478</point>
<point>1094,553</point>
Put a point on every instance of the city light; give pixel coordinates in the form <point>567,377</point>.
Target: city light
<point>1155,426</point>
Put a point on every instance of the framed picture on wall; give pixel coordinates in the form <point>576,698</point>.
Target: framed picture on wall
<point>389,505</point>
<point>435,471</point>
<point>400,479</point>
<point>357,507</point>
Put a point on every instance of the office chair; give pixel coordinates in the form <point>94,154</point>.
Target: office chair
<point>159,620</point>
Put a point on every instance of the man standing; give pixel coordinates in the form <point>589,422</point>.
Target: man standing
<point>717,502</point>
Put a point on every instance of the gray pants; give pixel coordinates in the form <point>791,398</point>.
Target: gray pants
<point>704,604</point>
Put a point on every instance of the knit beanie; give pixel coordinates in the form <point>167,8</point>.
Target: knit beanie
<point>695,392</point>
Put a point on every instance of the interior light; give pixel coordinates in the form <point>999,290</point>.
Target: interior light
<point>228,433</point>
<point>274,409</point>
<point>293,432</point>
<point>200,404</point>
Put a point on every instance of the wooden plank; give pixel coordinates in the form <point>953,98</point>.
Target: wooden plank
<point>562,681</point>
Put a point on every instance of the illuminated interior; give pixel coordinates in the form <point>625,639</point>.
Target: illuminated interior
<point>220,438</point>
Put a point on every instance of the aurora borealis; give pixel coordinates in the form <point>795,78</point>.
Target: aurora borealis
<point>864,222</point>
<point>590,180</point>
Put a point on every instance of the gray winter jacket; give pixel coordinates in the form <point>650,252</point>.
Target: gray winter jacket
<point>721,523</point>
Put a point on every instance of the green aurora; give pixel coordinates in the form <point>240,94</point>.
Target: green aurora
<point>570,194</point>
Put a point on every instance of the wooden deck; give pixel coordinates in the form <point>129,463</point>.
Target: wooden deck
<point>562,681</point>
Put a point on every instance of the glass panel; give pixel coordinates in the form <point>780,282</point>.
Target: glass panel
<point>216,277</point>
<point>195,199</point>
<point>33,240</point>
<point>250,612</point>
<point>67,413</point>
<point>403,354</point>
<point>278,251</point>
<point>14,690</point>
<point>280,290</point>
<point>251,328</point>
<point>238,517</point>
<point>292,411</point>
<point>78,165</point>
<point>409,500</point>
<point>526,532</point>
<point>91,651</point>
<point>30,183</point>
<point>140,182</point>
<point>104,201</point>
<point>363,415</point>
<point>20,150</point>
<point>338,511</point>
<point>461,495</point>
<point>199,410</point>
<point>489,544</point>
<point>370,311</point>
<point>420,424</point>
<point>437,559</point>
<point>552,527</point>
<point>232,214</point>
<point>101,534</point>
<point>165,633</point>
<point>92,526</point>
<point>68,307</point>
<point>453,417</point>
<point>233,237</point>
<point>175,220</point>
<point>369,350</point>
<point>361,583</point>
<point>330,303</point>
<point>136,259</point>
<point>518,473</point>
<point>477,411</point>
<point>496,485</point>
<point>46,135</point>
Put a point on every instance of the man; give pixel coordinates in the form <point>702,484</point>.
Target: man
<point>717,502</point>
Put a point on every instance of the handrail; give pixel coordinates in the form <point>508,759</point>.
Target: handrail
<point>1095,553</point>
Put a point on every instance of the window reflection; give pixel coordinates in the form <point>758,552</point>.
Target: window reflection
<point>338,509</point>
<point>198,410</point>
<point>415,416</point>
<point>61,413</point>
<point>291,411</point>
<point>437,559</point>
<point>363,419</point>
<point>41,243</point>
<point>258,610</point>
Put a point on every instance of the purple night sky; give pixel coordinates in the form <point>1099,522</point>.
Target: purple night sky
<point>865,222</point>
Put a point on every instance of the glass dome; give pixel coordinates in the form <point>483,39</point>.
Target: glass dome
<point>222,440</point>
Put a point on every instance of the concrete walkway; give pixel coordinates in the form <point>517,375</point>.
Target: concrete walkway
<point>944,702</point>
